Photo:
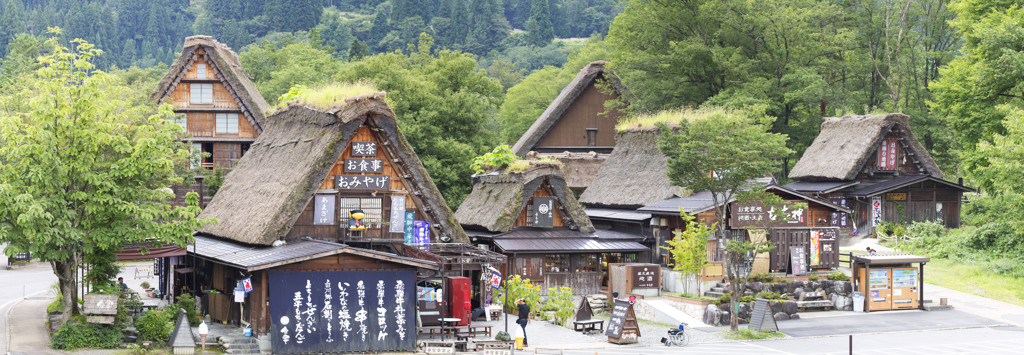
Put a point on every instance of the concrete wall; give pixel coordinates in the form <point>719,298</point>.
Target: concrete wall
<point>671,282</point>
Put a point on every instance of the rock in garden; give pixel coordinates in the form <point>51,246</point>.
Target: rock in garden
<point>799,291</point>
<point>775,306</point>
<point>781,316</point>
<point>725,317</point>
<point>789,307</point>
<point>755,287</point>
<point>712,315</point>
<point>794,316</point>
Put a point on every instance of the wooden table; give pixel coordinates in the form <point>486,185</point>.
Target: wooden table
<point>446,323</point>
<point>480,330</point>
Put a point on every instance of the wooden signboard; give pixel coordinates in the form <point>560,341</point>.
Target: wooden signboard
<point>364,148</point>
<point>377,182</point>
<point>622,327</point>
<point>364,165</point>
<point>758,215</point>
<point>646,276</point>
<point>104,305</point>
<point>896,196</point>
<point>798,260</point>
<point>761,319</point>
<point>543,212</point>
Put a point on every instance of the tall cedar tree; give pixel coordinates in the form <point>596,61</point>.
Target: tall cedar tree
<point>86,167</point>
<point>723,151</point>
<point>538,27</point>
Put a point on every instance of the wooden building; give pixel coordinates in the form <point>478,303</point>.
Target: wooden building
<point>533,218</point>
<point>876,166</point>
<point>574,128</point>
<point>286,224</point>
<point>216,102</point>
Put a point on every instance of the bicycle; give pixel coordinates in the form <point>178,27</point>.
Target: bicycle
<point>676,337</point>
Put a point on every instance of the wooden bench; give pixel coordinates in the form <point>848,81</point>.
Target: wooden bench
<point>480,330</point>
<point>431,331</point>
<point>492,344</point>
<point>584,318</point>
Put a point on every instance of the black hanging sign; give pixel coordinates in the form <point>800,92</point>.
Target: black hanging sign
<point>622,327</point>
<point>364,148</point>
<point>379,182</point>
<point>762,318</point>
<point>364,165</point>
<point>798,260</point>
<point>342,311</point>
<point>543,212</point>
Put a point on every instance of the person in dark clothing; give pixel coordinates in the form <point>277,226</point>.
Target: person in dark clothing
<point>524,318</point>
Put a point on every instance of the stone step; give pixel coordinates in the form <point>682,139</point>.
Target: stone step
<point>713,294</point>
<point>717,289</point>
<point>937,307</point>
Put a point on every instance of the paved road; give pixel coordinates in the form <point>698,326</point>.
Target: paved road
<point>15,284</point>
<point>987,340</point>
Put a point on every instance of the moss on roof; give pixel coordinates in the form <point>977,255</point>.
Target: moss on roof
<point>322,97</point>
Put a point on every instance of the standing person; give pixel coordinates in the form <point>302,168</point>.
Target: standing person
<point>524,318</point>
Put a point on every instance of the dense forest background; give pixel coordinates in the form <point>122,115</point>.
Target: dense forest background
<point>466,75</point>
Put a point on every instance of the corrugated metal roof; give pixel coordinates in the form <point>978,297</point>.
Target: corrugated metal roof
<point>820,186</point>
<point>696,203</point>
<point>891,259</point>
<point>618,214</point>
<point>610,234</point>
<point>901,181</point>
<point>253,258</point>
<point>543,245</point>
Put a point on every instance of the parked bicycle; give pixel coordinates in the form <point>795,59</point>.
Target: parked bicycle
<point>676,337</point>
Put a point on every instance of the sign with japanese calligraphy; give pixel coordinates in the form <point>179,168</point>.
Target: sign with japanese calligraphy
<point>421,233</point>
<point>876,211</point>
<point>646,276</point>
<point>364,165</point>
<point>839,219</point>
<point>887,154</point>
<point>622,326</point>
<point>342,311</point>
<point>495,280</point>
<point>323,210</point>
<point>379,182</point>
<point>397,224</point>
<point>543,212</point>
<point>364,148</point>
<point>896,196</point>
<point>798,260</point>
<point>756,214</point>
<point>409,217</point>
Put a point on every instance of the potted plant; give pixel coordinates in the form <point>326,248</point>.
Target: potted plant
<point>145,285</point>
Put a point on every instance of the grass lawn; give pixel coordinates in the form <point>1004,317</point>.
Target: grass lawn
<point>975,279</point>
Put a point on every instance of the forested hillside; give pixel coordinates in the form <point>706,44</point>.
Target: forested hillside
<point>146,32</point>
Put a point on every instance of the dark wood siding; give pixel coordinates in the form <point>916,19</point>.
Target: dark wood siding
<point>584,113</point>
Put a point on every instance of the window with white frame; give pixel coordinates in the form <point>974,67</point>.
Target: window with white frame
<point>200,71</point>
<point>196,157</point>
<point>227,123</point>
<point>201,93</point>
<point>182,121</point>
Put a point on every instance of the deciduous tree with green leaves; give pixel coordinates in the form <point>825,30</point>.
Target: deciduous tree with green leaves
<point>722,151</point>
<point>83,169</point>
<point>688,247</point>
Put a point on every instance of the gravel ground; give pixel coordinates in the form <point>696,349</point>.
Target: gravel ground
<point>652,332</point>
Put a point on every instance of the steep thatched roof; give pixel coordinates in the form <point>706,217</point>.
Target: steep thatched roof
<point>266,192</point>
<point>224,62</point>
<point>634,175</point>
<point>562,102</point>
<point>498,198</point>
<point>846,143</point>
<point>579,168</point>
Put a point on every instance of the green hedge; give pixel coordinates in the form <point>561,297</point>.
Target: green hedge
<point>74,335</point>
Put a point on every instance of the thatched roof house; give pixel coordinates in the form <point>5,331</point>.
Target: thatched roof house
<point>634,175</point>
<point>846,144</point>
<point>572,122</point>
<point>300,154</point>
<point>227,70</point>
<point>498,199</point>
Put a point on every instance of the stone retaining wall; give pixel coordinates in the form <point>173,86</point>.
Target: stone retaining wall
<point>839,292</point>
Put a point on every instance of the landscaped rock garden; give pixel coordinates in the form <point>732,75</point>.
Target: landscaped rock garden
<point>783,296</point>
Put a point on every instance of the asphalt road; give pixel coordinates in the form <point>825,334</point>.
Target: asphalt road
<point>984,340</point>
<point>27,281</point>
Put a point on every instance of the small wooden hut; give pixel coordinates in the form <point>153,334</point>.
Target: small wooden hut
<point>876,166</point>
<point>533,218</point>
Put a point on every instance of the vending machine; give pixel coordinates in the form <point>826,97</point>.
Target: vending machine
<point>905,290</point>
<point>458,291</point>
<point>877,289</point>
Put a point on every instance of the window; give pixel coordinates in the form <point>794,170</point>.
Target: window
<point>201,93</point>
<point>227,123</point>
<point>591,137</point>
<point>196,157</point>
<point>587,262</point>
<point>556,263</point>
<point>373,209</point>
<point>200,71</point>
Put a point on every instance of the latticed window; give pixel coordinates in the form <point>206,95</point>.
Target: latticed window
<point>201,94</point>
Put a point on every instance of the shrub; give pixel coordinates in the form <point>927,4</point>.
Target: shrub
<point>761,277</point>
<point>747,334</point>
<point>79,335</point>
<point>155,325</point>
<point>561,299</point>
<point>145,285</point>
<point>519,287</point>
<point>747,299</point>
<point>769,295</point>
<point>502,336</point>
<point>186,302</point>
<point>723,299</point>
<point>838,276</point>
<point>812,277</point>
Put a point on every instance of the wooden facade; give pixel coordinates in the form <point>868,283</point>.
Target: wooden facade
<point>584,125</point>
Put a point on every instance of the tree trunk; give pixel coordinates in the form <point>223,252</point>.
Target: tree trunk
<point>734,290</point>
<point>66,271</point>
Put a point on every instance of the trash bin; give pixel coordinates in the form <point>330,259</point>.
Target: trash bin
<point>858,302</point>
